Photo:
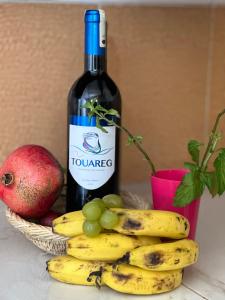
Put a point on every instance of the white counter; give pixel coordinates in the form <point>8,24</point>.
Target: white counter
<point>23,275</point>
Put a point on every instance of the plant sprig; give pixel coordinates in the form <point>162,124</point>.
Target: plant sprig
<point>110,116</point>
<point>199,177</point>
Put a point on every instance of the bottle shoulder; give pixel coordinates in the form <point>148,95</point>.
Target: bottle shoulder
<point>90,83</point>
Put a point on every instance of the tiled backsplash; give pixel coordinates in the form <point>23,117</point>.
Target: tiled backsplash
<point>168,62</point>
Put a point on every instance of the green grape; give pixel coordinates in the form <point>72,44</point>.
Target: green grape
<point>112,200</point>
<point>91,229</point>
<point>109,219</point>
<point>92,211</point>
<point>100,203</point>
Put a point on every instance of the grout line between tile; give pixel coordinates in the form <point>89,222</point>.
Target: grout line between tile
<point>215,283</point>
<point>197,293</point>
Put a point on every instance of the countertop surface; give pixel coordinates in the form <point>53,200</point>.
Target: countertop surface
<point>23,275</point>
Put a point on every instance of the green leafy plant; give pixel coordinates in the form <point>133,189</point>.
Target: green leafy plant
<point>198,177</point>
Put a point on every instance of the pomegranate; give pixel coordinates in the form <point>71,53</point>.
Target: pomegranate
<point>47,219</point>
<point>31,179</point>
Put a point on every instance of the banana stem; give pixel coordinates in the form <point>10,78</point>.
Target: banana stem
<point>98,279</point>
<point>123,260</point>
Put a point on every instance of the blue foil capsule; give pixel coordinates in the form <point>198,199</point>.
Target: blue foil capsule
<point>95,28</point>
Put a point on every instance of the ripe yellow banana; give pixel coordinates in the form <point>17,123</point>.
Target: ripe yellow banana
<point>71,270</point>
<point>163,257</point>
<point>131,222</point>
<point>125,278</point>
<point>133,280</point>
<point>151,222</point>
<point>106,246</point>
<point>70,224</point>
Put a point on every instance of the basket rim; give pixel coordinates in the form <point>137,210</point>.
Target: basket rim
<point>31,228</point>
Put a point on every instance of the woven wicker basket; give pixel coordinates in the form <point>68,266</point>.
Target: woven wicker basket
<point>45,239</point>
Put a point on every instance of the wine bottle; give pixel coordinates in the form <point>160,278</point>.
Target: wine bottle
<point>93,155</point>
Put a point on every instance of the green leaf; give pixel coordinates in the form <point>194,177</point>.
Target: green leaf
<point>130,140</point>
<point>99,126</point>
<point>209,178</point>
<point>193,149</point>
<point>99,108</point>
<point>190,189</point>
<point>219,165</point>
<point>138,138</point>
<point>88,105</point>
<point>134,139</point>
<point>190,166</point>
<point>113,112</point>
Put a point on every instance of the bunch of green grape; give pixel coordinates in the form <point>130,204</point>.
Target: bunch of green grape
<point>98,216</point>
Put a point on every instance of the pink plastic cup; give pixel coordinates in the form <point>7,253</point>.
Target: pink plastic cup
<point>164,186</point>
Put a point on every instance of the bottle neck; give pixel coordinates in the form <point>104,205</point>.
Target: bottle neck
<point>95,41</point>
<point>95,63</point>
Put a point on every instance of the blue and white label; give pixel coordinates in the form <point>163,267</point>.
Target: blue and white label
<point>91,155</point>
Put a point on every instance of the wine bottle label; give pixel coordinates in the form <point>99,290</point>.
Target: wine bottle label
<point>102,29</point>
<point>91,155</point>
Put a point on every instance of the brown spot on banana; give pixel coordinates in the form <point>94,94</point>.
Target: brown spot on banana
<point>195,257</point>
<point>178,218</point>
<point>185,225</point>
<point>63,222</point>
<point>159,284</point>
<point>154,258</point>
<point>132,224</point>
<point>179,250</point>
<point>162,283</point>
<point>59,266</point>
<point>121,277</point>
<point>81,246</point>
<point>81,267</point>
<point>69,246</point>
<point>114,245</point>
<point>120,214</point>
<point>139,279</point>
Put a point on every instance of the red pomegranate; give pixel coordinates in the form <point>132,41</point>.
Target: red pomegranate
<point>31,179</point>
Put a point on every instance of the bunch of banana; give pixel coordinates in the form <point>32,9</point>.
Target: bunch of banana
<point>130,259</point>
<point>131,222</point>
<point>124,278</point>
